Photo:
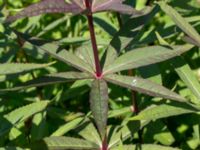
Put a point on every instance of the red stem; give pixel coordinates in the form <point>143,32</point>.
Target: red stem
<point>93,39</point>
<point>104,144</point>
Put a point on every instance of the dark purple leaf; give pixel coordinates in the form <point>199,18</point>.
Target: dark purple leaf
<point>113,5</point>
<point>49,6</point>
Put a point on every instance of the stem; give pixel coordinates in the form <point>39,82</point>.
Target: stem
<point>104,144</point>
<point>93,39</point>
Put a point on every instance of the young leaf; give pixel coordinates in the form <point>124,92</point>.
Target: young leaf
<point>146,147</point>
<point>180,21</point>
<point>48,6</point>
<point>145,56</point>
<point>16,68</point>
<point>144,86</point>
<point>67,127</point>
<point>163,111</point>
<point>63,143</point>
<point>50,79</point>
<point>99,104</point>
<point>21,114</point>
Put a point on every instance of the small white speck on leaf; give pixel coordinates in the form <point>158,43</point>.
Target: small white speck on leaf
<point>134,82</point>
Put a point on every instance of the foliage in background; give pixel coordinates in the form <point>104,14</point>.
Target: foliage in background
<point>125,86</point>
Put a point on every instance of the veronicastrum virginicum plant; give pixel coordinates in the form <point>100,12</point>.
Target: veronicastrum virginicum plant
<point>89,65</point>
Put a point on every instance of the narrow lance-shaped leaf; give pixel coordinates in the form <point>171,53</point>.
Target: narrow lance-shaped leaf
<point>145,56</point>
<point>113,5</point>
<point>20,114</point>
<point>85,132</point>
<point>11,148</point>
<point>144,86</point>
<point>163,111</point>
<point>187,75</point>
<point>50,79</point>
<point>15,68</point>
<point>39,129</point>
<point>184,71</point>
<point>122,133</point>
<point>63,143</point>
<point>180,21</point>
<point>55,51</point>
<point>67,127</point>
<point>99,104</point>
<point>48,6</point>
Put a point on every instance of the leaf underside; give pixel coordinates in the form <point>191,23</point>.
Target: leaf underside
<point>99,104</point>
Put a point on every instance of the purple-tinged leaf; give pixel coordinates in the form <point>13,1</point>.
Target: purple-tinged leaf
<point>144,86</point>
<point>113,5</point>
<point>145,56</point>
<point>50,79</point>
<point>99,104</point>
<point>49,6</point>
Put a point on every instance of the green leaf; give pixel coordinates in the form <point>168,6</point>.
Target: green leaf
<point>67,127</point>
<point>11,148</point>
<point>146,147</point>
<point>180,21</point>
<point>52,25</point>
<point>50,79</point>
<point>187,75</point>
<point>63,143</point>
<point>60,54</point>
<point>15,68</point>
<point>21,114</point>
<point>89,132</point>
<point>39,126</point>
<point>145,56</point>
<point>159,132</point>
<point>119,112</point>
<point>85,53</point>
<point>144,86</point>
<point>163,111</point>
<point>122,133</point>
<point>122,38</point>
<point>99,104</point>
<point>184,71</point>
